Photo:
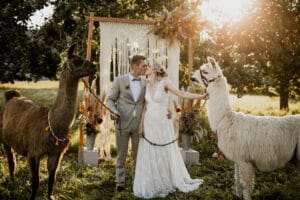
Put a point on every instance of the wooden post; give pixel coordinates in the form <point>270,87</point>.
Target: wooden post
<point>190,156</point>
<point>90,36</point>
<point>191,49</point>
<point>86,90</point>
<point>190,59</point>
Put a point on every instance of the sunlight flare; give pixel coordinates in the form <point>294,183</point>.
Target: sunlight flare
<point>220,12</point>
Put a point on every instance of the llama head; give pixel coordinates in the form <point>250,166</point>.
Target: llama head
<point>207,73</point>
<point>79,66</point>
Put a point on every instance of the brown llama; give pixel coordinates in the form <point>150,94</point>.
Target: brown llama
<point>35,131</point>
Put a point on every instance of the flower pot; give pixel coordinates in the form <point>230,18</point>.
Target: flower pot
<point>186,141</point>
<point>90,141</point>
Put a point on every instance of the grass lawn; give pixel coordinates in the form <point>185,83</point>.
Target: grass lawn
<point>85,182</point>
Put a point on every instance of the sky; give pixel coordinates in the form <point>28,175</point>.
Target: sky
<point>38,18</point>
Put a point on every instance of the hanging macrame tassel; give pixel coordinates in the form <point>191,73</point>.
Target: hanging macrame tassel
<point>127,54</point>
<point>122,58</point>
<point>114,61</point>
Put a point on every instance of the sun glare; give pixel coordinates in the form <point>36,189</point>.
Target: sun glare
<point>220,12</point>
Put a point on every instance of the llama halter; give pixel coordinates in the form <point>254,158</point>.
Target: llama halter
<point>204,79</point>
<point>81,66</point>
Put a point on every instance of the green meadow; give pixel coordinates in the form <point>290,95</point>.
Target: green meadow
<point>76,181</point>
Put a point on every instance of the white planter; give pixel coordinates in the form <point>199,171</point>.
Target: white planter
<point>186,141</point>
<point>90,141</point>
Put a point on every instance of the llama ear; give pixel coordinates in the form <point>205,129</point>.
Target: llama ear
<point>71,50</point>
<point>212,61</point>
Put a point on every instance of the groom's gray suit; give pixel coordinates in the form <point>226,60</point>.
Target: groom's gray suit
<point>120,99</point>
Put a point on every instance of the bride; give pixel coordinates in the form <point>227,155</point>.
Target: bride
<point>160,168</point>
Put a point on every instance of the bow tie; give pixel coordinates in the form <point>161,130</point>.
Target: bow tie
<point>136,79</point>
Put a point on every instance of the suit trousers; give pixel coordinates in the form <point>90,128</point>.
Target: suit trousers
<point>122,140</point>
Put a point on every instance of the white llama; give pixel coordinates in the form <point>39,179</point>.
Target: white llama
<point>263,142</point>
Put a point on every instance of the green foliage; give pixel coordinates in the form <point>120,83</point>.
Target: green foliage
<point>21,58</point>
<point>191,123</point>
<point>30,54</point>
<point>73,180</point>
<point>263,50</point>
<point>68,24</point>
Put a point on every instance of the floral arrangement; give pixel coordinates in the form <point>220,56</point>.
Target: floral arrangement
<point>181,23</point>
<point>190,122</point>
<point>85,115</point>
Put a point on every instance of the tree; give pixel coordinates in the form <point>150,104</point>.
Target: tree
<point>265,48</point>
<point>69,25</point>
<point>16,59</point>
<point>31,54</point>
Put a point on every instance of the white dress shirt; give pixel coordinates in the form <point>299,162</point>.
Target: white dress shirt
<point>135,87</point>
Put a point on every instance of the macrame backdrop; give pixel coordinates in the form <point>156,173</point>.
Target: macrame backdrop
<point>120,41</point>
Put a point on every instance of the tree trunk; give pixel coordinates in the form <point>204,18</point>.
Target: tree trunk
<point>284,96</point>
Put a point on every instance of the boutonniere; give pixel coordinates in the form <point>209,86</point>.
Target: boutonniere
<point>127,86</point>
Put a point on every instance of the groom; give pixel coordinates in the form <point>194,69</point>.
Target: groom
<point>126,99</point>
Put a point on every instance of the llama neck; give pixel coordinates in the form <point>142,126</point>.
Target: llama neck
<point>63,111</point>
<point>218,104</point>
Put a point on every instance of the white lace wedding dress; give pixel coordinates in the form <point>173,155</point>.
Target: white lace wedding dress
<point>160,169</point>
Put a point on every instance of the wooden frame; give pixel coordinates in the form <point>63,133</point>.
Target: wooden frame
<point>118,20</point>
<point>91,19</point>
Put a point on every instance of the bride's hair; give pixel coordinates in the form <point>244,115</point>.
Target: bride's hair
<point>160,71</point>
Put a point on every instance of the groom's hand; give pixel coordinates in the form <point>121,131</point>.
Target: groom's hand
<point>141,134</point>
<point>169,114</point>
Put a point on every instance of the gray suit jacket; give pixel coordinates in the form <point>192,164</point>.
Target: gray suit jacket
<point>120,99</point>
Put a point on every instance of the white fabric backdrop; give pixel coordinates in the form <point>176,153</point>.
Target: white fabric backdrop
<point>120,41</point>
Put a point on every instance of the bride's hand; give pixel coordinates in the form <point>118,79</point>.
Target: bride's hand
<point>203,96</point>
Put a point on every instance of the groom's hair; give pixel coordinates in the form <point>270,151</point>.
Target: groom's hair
<point>136,59</point>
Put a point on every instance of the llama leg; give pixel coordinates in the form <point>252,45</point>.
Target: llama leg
<point>11,159</point>
<point>247,175</point>
<point>238,186</point>
<point>34,165</point>
<point>52,164</point>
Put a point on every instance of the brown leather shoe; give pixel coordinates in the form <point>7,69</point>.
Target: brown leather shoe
<point>120,188</point>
